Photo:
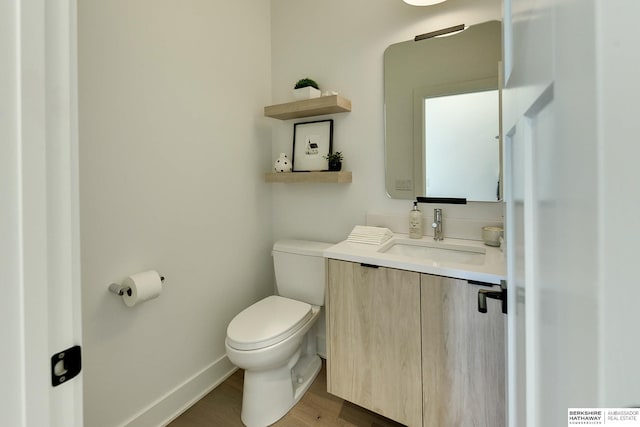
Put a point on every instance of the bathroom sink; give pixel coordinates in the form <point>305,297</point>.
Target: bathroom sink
<point>435,251</point>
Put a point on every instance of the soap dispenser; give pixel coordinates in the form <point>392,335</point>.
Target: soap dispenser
<point>415,222</point>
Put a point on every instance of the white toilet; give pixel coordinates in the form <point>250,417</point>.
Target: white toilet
<point>274,340</point>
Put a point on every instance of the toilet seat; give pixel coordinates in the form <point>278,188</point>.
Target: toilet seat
<point>267,322</point>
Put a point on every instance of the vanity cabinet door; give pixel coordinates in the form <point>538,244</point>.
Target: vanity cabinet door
<point>373,330</point>
<point>463,356</point>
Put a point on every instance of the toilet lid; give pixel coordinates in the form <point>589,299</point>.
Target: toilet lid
<point>267,322</point>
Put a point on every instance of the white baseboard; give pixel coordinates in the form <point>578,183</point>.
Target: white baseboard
<point>175,402</point>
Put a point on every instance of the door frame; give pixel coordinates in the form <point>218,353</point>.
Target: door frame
<point>40,309</point>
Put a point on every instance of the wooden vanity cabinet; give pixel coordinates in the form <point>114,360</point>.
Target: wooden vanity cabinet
<point>463,355</point>
<point>414,348</point>
<point>373,345</point>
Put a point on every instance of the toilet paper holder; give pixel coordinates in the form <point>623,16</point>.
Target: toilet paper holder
<point>121,289</point>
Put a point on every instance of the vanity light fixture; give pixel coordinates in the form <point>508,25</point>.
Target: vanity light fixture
<point>423,2</point>
<point>443,32</point>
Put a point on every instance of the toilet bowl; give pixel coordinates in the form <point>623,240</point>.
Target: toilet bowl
<point>274,340</point>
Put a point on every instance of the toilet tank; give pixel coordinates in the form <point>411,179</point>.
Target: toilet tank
<point>300,270</point>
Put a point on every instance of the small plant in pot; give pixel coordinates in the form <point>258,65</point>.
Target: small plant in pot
<point>335,161</point>
<point>306,89</point>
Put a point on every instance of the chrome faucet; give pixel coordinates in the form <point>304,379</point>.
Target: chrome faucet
<point>437,225</point>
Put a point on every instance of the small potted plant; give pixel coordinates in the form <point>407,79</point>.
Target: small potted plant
<point>335,160</point>
<point>306,89</point>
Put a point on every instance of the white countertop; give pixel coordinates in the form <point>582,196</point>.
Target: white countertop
<point>492,271</point>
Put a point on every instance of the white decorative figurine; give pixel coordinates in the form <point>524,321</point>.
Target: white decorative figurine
<point>282,164</point>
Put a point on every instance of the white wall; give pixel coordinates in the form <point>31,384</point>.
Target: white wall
<point>172,150</point>
<point>340,44</point>
<point>173,146</point>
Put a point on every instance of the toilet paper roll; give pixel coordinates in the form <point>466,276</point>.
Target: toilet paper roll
<point>144,286</point>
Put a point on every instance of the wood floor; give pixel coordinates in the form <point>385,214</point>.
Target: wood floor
<point>317,408</point>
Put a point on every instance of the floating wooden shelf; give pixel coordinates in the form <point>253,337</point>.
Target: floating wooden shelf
<point>324,177</point>
<point>309,107</point>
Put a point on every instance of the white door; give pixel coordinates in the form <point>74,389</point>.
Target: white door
<point>619,205</point>
<point>570,120</point>
<point>39,272</point>
<point>514,162</point>
<point>534,362</point>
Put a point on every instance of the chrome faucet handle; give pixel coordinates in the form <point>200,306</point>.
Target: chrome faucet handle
<point>437,224</point>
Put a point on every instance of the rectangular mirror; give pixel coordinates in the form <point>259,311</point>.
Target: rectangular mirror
<point>442,116</point>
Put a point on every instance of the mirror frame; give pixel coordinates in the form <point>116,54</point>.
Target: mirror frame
<point>475,66</point>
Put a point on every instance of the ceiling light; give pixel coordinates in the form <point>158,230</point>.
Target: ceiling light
<point>422,2</point>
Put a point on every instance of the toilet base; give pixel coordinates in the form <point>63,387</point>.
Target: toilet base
<point>276,377</point>
<point>268,395</point>
<point>303,375</point>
